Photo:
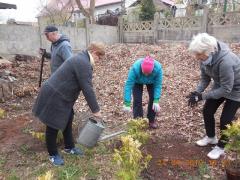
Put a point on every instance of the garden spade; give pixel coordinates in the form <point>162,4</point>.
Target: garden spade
<point>41,67</point>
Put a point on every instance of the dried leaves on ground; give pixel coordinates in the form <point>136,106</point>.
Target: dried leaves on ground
<point>181,75</point>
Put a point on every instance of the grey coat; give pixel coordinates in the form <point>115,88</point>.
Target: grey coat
<point>59,93</point>
<point>60,51</point>
<point>223,67</point>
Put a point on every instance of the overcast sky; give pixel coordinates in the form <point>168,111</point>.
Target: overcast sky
<point>26,10</point>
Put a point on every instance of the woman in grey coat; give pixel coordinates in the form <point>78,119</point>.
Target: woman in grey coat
<point>222,66</point>
<point>58,94</point>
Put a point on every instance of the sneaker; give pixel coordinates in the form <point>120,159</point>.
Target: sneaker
<point>56,160</point>
<point>153,125</point>
<point>216,153</point>
<point>75,151</point>
<point>207,140</point>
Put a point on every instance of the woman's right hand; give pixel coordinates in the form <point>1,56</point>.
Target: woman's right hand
<point>98,115</point>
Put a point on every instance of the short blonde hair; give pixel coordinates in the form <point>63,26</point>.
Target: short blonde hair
<point>98,47</point>
<point>203,43</point>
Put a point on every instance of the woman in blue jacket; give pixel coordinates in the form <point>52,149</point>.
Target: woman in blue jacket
<point>147,72</point>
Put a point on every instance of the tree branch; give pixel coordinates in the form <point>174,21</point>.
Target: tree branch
<point>81,8</point>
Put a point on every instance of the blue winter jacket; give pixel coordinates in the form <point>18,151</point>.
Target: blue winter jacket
<point>60,51</point>
<point>135,76</point>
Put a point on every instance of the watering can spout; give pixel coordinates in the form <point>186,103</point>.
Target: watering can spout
<point>111,135</point>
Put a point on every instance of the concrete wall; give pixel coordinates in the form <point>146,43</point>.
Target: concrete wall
<point>103,33</point>
<point>138,37</point>
<point>226,33</point>
<point>18,39</point>
<point>176,34</point>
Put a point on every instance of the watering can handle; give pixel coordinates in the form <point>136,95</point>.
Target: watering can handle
<point>102,121</point>
<point>99,119</point>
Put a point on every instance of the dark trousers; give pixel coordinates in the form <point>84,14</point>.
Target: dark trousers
<point>229,110</point>
<point>137,102</point>
<point>51,137</point>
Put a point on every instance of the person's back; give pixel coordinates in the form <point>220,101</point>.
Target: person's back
<point>67,78</point>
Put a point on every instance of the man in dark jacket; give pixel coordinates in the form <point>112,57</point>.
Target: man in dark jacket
<point>222,66</point>
<point>60,49</point>
<point>58,94</point>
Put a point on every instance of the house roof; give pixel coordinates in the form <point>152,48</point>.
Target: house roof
<point>170,2</point>
<point>56,4</point>
<point>156,2</point>
<point>85,3</point>
<point>106,2</point>
<point>7,6</point>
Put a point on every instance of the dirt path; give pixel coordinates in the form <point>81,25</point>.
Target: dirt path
<point>15,132</point>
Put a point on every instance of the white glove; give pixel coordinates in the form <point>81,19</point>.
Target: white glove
<point>126,108</point>
<point>156,107</point>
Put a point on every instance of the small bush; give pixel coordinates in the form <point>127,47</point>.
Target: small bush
<point>129,159</point>
<point>136,128</point>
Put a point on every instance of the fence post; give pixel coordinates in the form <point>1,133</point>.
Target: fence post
<point>155,27</point>
<point>205,19</point>
<point>87,31</point>
<point>120,29</point>
<point>40,32</point>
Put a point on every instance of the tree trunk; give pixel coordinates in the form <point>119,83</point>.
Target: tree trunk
<point>88,14</point>
<point>6,88</point>
<point>91,10</point>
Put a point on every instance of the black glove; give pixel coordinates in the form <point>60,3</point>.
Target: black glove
<point>192,94</point>
<point>194,97</point>
<point>44,53</point>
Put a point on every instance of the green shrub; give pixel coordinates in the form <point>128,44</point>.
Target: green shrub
<point>129,159</point>
<point>136,128</point>
<point>147,10</point>
<point>233,144</point>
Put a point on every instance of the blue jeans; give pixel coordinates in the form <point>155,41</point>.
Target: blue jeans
<point>137,102</point>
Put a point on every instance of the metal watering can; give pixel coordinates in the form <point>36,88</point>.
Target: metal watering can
<point>90,134</point>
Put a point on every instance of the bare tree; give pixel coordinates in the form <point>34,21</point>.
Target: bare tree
<point>87,12</point>
<point>59,12</point>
